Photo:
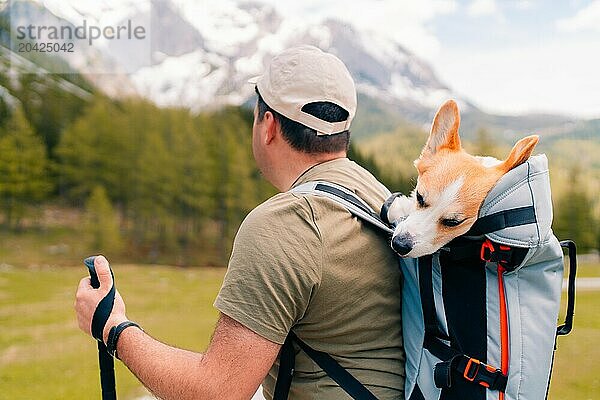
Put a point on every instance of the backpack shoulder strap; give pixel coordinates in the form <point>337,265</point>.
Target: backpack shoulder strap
<point>354,204</point>
<point>343,378</point>
<point>332,368</point>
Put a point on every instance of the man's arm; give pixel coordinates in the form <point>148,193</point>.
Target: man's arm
<point>233,367</point>
<point>236,362</point>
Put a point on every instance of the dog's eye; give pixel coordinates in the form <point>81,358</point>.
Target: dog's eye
<point>451,222</point>
<point>420,200</point>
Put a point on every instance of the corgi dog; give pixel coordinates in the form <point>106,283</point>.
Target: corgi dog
<point>451,187</point>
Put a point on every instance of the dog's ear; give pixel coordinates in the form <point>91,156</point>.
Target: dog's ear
<point>519,153</point>
<point>444,131</point>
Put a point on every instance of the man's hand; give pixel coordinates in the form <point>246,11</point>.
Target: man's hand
<point>233,367</point>
<point>87,299</point>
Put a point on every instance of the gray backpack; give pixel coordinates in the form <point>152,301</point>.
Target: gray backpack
<point>479,316</point>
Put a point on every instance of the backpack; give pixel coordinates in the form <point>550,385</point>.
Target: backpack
<point>479,315</point>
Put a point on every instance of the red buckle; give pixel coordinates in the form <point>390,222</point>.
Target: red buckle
<point>466,374</point>
<point>487,251</point>
<point>471,373</point>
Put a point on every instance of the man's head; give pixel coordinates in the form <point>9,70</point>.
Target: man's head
<point>306,102</point>
<point>305,139</point>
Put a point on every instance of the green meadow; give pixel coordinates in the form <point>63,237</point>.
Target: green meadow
<point>43,355</point>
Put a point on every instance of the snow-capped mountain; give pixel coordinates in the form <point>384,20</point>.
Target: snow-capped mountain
<point>240,38</point>
<point>202,53</point>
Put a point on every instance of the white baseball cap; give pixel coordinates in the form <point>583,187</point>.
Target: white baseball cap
<point>302,75</point>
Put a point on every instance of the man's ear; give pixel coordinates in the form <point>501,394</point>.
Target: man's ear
<point>519,153</point>
<point>444,131</point>
<point>272,126</point>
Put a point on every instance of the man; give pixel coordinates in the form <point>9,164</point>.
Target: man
<point>300,263</point>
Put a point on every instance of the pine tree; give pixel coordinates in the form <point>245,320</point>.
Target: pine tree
<point>574,218</point>
<point>97,149</point>
<point>191,183</point>
<point>23,168</point>
<point>102,223</point>
<point>183,183</point>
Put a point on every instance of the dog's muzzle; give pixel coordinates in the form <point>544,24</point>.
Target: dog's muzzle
<point>402,243</point>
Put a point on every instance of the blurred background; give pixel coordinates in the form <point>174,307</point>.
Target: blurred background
<point>139,148</point>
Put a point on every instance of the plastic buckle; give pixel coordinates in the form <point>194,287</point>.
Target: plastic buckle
<point>488,378</point>
<point>466,373</point>
<point>490,254</point>
<point>487,249</point>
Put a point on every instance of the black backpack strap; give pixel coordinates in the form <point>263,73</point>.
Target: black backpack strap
<point>343,378</point>
<point>354,204</point>
<point>287,362</point>
<point>503,219</point>
<point>454,363</point>
<point>566,328</point>
<point>331,367</point>
<point>430,320</point>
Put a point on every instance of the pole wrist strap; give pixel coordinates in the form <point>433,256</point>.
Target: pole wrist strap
<point>113,336</point>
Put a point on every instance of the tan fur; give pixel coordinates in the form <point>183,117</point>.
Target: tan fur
<point>437,171</point>
<point>443,162</point>
<point>444,130</point>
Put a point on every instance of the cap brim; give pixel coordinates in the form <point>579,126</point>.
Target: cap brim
<point>254,80</point>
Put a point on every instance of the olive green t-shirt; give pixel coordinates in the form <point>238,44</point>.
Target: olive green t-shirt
<point>304,262</point>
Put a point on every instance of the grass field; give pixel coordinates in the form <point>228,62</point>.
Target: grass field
<point>43,355</point>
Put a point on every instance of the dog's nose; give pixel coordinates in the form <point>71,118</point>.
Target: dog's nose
<point>402,243</point>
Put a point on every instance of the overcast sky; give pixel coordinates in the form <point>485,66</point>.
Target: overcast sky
<point>507,56</point>
<point>511,56</point>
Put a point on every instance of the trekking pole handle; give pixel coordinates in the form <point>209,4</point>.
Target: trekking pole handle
<point>105,360</point>
<point>89,263</point>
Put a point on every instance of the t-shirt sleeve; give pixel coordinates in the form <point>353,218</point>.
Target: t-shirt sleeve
<point>274,269</point>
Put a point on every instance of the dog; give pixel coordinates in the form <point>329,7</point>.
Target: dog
<point>451,187</point>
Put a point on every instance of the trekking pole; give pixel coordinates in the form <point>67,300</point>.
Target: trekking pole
<point>105,360</point>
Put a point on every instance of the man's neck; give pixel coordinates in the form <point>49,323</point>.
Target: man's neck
<point>302,163</point>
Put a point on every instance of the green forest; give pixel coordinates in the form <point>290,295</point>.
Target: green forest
<point>143,183</point>
<point>149,181</point>
<point>162,185</point>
